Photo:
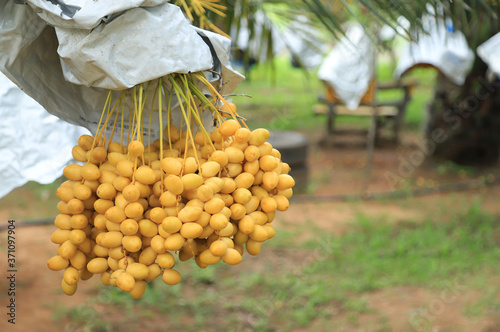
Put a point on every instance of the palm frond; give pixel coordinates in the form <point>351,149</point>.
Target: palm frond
<point>262,19</point>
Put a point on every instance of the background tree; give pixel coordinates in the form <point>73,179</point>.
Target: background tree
<point>469,115</point>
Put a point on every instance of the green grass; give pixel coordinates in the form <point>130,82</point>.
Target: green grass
<point>305,282</point>
<point>376,257</point>
<point>488,302</point>
<point>282,101</point>
<point>449,166</point>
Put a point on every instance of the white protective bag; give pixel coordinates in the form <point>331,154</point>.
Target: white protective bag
<point>97,53</point>
<point>489,52</point>
<point>35,145</point>
<point>439,45</point>
<point>350,66</point>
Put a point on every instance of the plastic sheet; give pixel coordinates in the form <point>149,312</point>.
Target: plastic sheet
<point>489,52</point>
<point>304,42</point>
<point>35,145</point>
<point>135,47</point>
<point>84,14</point>
<point>29,57</point>
<point>440,46</point>
<point>299,38</point>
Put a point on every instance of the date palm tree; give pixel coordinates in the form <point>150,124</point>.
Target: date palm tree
<point>468,115</point>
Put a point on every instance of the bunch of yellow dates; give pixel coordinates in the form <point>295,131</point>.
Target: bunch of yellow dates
<point>127,210</point>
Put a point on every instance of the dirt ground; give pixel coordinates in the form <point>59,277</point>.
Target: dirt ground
<point>337,170</point>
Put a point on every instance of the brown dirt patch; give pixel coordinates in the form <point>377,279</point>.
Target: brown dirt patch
<point>38,289</point>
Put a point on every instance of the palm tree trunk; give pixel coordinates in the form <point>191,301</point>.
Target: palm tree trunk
<point>464,122</point>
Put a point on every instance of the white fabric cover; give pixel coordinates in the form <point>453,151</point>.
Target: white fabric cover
<point>35,145</point>
<point>441,46</point>
<point>350,66</point>
<point>489,52</point>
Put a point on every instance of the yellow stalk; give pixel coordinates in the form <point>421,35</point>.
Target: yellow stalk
<point>123,119</point>
<point>190,109</point>
<point>139,115</point>
<point>108,117</point>
<point>120,98</point>
<point>108,99</point>
<point>198,116</point>
<point>129,124</point>
<point>186,8</point>
<point>186,145</point>
<point>160,115</point>
<point>203,79</point>
<point>169,112</point>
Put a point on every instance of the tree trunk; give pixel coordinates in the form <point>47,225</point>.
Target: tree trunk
<point>464,122</point>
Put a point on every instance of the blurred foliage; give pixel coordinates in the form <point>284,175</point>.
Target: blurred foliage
<point>478,19</point>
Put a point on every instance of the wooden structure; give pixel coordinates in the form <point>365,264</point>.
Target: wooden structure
<point>382,114</point>
<point>390,113</point>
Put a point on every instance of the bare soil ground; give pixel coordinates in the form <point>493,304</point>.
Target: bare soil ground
<point>333,171</point>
